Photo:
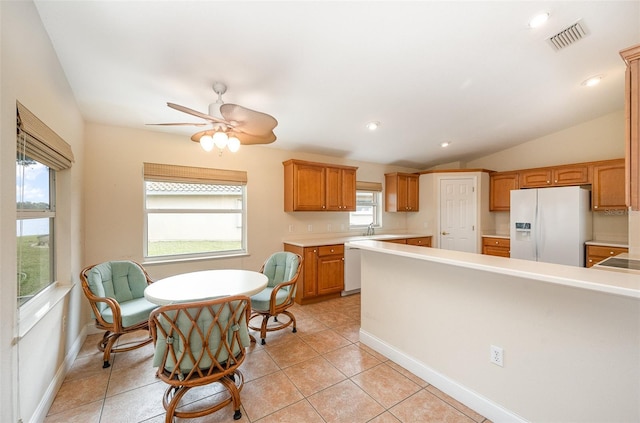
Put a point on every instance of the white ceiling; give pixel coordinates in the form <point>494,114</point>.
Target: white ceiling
<point>471,73</point>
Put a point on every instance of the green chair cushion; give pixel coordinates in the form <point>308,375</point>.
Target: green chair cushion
<point>260,301</point>
<point>280,267</point>
<point>120,280</point>
<point>132,311</point>
<point>196,342</point>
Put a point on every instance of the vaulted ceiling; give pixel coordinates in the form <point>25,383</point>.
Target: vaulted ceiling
<point>470,73</point>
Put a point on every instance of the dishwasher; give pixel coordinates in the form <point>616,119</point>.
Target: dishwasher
<point>351,271</point>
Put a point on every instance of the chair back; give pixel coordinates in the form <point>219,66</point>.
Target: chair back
<point>282,266</point>
<point>120,280</point>
<point>200,341</point>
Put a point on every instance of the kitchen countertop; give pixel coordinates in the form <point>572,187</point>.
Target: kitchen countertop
<point>619,244</point>
<point>317,242</point>
<point>496,236</point>
<point>626,284</point>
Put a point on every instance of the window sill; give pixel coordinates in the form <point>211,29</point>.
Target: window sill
<point>151,261</point>
<point>36,309</point>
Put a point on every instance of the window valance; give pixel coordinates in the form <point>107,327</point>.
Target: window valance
<point>41,143</point>
<point>368,186</point>
<point>190,174</point>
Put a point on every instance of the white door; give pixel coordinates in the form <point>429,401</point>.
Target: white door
<point>458,211</point>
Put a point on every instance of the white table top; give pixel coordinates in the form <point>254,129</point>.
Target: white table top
<point>195,286</point>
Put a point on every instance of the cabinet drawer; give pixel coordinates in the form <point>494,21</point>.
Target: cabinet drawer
<point>496,242</point>
<point>422,241</point>
<point>597,253</point>
<point>330,250</point>
<point>396,241</point>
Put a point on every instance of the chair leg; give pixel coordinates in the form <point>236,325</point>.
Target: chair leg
<point>263,328</point>
<point>106,344</point>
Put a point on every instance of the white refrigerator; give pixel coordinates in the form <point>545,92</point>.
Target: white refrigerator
<point>550,224</point>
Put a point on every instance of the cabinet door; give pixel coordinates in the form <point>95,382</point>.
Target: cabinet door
<point>334,188</point>
<point>341,189</point>
<point>597,253</point>
<point>330,274</point>
<point>310,266</point>
<point>535,178</point>
<point>348,189</point>
<point>501,185</point>
<point>608,187</point>
<point>412,193</point>
<point>402,183</point>
<point>309,187</point>
<point>571,175</point>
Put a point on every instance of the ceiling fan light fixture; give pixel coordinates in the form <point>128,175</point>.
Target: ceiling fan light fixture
<point>206,142</point>
<point>445,144</point>
<point>220,139</point>
<point>234,144</point>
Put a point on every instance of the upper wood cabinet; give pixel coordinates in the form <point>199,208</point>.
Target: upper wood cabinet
<point>554,176</point>
<point>401,192</point>
<point>500,186</point>
<point>608,191</point>
<point>631,56</point>
<point>310,186</point>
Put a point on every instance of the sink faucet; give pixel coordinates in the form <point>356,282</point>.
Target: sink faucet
<point>370,229</point>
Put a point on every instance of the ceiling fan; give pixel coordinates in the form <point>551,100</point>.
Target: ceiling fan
<point>228,124</point>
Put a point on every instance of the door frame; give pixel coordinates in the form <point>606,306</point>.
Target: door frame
<point>477,220</point>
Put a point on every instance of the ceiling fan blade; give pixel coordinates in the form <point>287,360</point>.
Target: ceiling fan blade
<point>245,139</point>
<point>195,113</point>
<point>249,139</point>
<point>180,124</point>
<point>247,120</point>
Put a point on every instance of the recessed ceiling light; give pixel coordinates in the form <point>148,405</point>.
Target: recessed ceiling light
<point>593,81</point>
<point>538,20</point>
<point>372,126</point>
<point>445,144</point>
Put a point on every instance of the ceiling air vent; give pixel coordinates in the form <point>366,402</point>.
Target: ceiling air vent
<point>568,36</point>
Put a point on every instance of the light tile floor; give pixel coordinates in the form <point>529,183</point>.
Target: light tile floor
<point>319,374</point>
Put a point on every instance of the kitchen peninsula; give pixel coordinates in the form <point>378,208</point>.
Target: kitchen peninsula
<point>570,336</point>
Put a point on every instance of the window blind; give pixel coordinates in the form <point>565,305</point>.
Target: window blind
<point>41,143</point>
<point>189,174</point>
<point>368,186</point>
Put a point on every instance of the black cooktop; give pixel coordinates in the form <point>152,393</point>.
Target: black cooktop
<point>621,263</point>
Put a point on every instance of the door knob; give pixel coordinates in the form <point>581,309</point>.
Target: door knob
<point>445,233</point>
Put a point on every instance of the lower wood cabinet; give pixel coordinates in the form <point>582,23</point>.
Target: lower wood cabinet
<point>496,246</point>
<point>597,253</point>
<point>322,275</point>
<point>423,241</point>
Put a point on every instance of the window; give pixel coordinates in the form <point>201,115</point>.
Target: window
<point>193,212</point>
<point>368,200</point>
<point>40,154</point>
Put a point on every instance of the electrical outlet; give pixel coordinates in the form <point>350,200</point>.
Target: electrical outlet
<point>310,228</point>
<point>496,356</point>
<point>291,228</point>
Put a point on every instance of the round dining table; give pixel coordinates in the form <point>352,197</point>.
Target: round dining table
<point>205,284</point>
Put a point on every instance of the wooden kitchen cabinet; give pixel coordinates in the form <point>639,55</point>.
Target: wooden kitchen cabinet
<point>555,176</point>
<point>496,246</point>
<point>310,186</point>
<point>608,189</point>
<point>597,253</point>
<point>500,186</point>
<point>341,189</point>
<point>322,274</point>
<point>401,192</point>
<point>424,241</point>
<point>631,57</point>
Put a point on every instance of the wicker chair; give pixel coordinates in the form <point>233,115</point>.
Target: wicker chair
<point>282,269</point>
<point>115,290</point>
<point>197,344</point>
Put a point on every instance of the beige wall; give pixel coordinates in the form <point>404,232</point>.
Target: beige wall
<point>114,196</point>
<point>597,139</point>
<point>30,73</point>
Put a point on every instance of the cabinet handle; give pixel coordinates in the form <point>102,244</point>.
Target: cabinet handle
<point>556,181</point>
<point>548,182</point>
<point>332,250</point>
<point>611,252</point>
<point>590,260</point>
<point>496,242</point>
<point>595,207</point>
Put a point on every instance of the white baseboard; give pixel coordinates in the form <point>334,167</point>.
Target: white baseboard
<point>471,399</point>
<point>52,390</point>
